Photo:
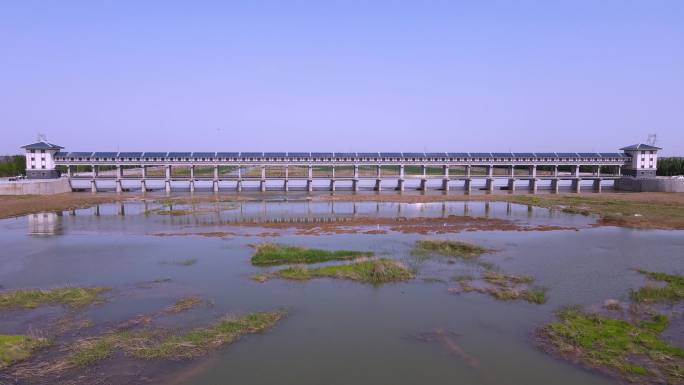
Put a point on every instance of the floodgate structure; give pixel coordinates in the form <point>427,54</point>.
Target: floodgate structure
<point>262,171</point>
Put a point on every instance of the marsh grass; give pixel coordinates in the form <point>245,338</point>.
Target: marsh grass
<point>626,349</point>
<point>74,297</point>
<point>268,254</point>
<point>15,348</point>
<point>375,271</point>
<point>162,344</point>
<point>448,248</point>
<point>184,304</point>
<point>506,287</point>
<point>501,279</point>
<point>673,290</point>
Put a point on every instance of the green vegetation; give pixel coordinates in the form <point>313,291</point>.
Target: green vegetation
<point>13,166</point>
<point>535,295</point>
<point>18,348</point>
<point>449,248</point>
<point>272,254</point>
<point>417,170</point>
<point>184,304</point>
<point>673,290</point>
<point>74,297</point>
<point>90,351</point>
<point>370,271</point>
<point>670,166</point>
<point>158,344</point>
<point>505,287</point>
<point>628,350</point>
<point>501,279</point>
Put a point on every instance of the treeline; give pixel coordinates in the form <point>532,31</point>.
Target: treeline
<point>671,166</point>
<point>12,165</point>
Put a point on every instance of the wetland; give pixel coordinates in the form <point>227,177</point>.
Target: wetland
<point>260,289</point>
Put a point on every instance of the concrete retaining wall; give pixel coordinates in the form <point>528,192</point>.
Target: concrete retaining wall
<point>35,187</point>
<point>650,185</point>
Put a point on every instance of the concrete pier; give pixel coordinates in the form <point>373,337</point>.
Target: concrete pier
<point>597,185</point>
<point>533,186</point>
<point>554,186</point>
<point>467,186</point>
<point>576,185</point>
<point>143,175</point>
<point>215,180</point>
<point>489,184</point>
<point>511,185</point>
<point>445,184</point>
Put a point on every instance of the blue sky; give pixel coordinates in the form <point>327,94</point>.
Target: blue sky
<point>342,75</point>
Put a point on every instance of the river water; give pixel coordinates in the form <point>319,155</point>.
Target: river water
<point>336,332</point>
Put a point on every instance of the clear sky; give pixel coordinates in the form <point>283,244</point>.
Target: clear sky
<point>342,75</point>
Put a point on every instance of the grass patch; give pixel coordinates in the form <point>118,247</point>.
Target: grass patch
<point>184,304</point>
<point>673,290</point>
<point>90,351</point>
<point>375,271</point>
<point>535,295</point>
<point>448,248</point>
<point>629,351</point>
<point>160,344</point>
<point>506,287</point>
<point>17,348</point>
<point>273,254</point>
<point>73,297</point>
<point>501,279</point>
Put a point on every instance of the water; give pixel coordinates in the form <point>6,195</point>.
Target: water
<point>337,332</point>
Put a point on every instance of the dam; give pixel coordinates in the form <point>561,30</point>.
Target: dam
<point>308,171</point>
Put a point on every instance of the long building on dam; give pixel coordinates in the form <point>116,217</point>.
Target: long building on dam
<point>216,171</point>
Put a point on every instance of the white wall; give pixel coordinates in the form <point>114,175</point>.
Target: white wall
<point>37,159</point>
<point>649,162</point>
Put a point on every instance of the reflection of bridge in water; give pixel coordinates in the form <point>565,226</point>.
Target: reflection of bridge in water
<point>122,171</point>
<point>308,212</point>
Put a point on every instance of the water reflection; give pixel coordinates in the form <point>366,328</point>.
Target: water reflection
<point>139,215</point>
<point>47,223</point>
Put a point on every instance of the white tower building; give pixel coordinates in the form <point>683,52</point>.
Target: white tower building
<point>40,162</point>
<point>644,160</point>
